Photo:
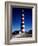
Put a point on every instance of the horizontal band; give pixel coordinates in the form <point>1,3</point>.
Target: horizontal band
<point>23,30</point>
<point>22,18</point>
<point>23,26</point>
<point>22,22</point>
<point>22,14</point>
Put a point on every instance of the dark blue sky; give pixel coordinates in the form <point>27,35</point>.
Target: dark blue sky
<point>16,18</point>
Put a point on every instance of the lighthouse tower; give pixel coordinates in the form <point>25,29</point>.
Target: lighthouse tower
<point>22,21</point>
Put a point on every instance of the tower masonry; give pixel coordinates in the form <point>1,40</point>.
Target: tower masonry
<point>22,21</point>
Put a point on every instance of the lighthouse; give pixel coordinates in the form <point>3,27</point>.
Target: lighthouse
<point>22,22</point>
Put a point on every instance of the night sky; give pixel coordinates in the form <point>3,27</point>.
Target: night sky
<point>16,19</point>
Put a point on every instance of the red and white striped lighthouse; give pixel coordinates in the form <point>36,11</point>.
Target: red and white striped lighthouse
<point>22,21</point>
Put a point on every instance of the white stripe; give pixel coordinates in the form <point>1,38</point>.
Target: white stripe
<point>23,30</point>
<point>23,25</point>
<point>22,21</point>
<point>22,18</point>
<point>22,14</point>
